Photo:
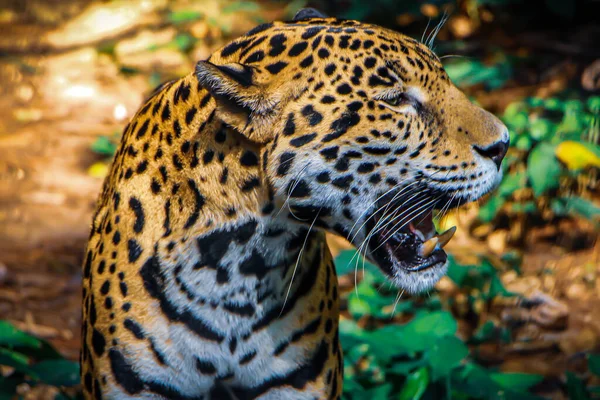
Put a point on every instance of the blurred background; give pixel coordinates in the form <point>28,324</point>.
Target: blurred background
<point>518,316</point>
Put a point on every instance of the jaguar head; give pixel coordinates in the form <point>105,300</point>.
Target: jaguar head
<point>363,134</point>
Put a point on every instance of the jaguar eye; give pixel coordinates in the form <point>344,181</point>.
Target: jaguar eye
<point>399,100</point>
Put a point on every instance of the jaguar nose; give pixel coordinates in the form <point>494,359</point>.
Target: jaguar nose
<point>495,151</point>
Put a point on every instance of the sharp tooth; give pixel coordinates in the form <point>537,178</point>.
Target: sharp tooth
<point>428,247</point>
<point>446,236</point>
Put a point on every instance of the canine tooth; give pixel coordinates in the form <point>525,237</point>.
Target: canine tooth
<point>428,247</point>
<point>445,237</point>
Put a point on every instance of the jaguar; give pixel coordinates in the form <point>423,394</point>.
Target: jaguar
<point>207,274</point>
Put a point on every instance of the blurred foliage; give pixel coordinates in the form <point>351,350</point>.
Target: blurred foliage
<point>382,9</point>
<point>422,358</point>
<point>25,359</point>
<point>555,143</point>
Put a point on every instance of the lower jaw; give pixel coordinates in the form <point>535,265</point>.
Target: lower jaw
<point>393,257</point>
<point>437,258</point>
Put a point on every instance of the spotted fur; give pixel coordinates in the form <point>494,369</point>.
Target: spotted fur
<point>207,274</point>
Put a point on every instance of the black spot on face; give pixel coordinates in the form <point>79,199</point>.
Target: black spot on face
<point>307,62</point>
<point>327,99</point>
<point>313,116</point>
<point>275,68</point>
<point>254,265</point>
<point>250,183</point>
<point>277,44</point>
<point>297,49</point>
<point>298,189</point>
<point>290,126</point>
<point>343,182</point>
<point>302,140</point>
<point>205,367</point>
<point>166,112</point>
<point>311,32</point>
<point>134,328</point>
<point>190,114</point>
<point>365,168</point>
<point>134,250</point>
<point>249,159</point>
<point>98,342</point>
<point>323,53</point>
<point>285,162</point>
<point>376,151</point>
<point>138,211</point>
<point>344,89</point>
<point>330,153</point>
<point>323,177</point>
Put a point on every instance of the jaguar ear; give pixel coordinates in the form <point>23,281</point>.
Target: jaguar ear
<point>241,102</point>
<point>308,13</point>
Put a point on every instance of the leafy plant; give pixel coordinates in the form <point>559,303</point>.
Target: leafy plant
<point>554,142</point>
<point>27,359</point>
<point>423,358</point>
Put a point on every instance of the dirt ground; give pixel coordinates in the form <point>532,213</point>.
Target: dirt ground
<point>60,91</point>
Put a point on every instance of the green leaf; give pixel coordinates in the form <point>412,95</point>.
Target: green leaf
<point>10,336</point>
<point>512,182</point>
<point>554,104</point>
<point>458,273</point>
<point>8,386</point>
<point>468,72</point>
<point>541,129</point>
<point>370,299</point>
<point>415,385</point>
<point>517,121</point>
<point>527,207</point>
<point>486,332</point>
<point>183,42</point>
<point>594,363</point>
<point>18,361</point>
<point>513,109</point>
<point>349,261</point>
<point>516,381</point>
<point>57,372</point>
<point>25,344</point>
<point>353,387</point>
<point>474,381</point>
<point>431,326</point>
<point>240,6</point>
<point>406,367</point>
<point>351,334</point>
<point>582,207</point>
<point>446,354</point>
<point>498,289</point>
<point>183,16</point>
<point>523,142</point>
<point>358,306</point>
<point>103,145</point>
<point>543,169</point>
<point>559,207</point>
<point>593,104</point>
<point>417,335</point>
<point>488,211</point>
<point>379,392</point>
<point>576,387</point>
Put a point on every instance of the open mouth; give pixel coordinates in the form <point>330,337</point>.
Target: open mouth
<point>400,239</point>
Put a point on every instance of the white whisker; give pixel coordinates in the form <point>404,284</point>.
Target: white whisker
<point>298,262</point>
